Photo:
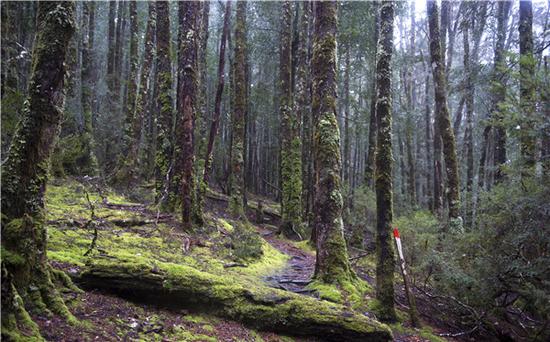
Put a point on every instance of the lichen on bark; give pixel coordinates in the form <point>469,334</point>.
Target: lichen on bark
<point>236,203</point>
<point>291,159</point>
<point>385,256</point>
<point>26,275</point>
<point>332,264</point>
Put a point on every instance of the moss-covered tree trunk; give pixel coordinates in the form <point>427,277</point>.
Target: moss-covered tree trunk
<point>26,275</point>
<point>218,100</point>
<point>302,103</point>
<point>238,115</point>
<point>468,132</point>
<point>385,258</point>
<point>165,116</point>
<point>527,84</point>
<point>187,106</point>
<point>125,175</point>
<point>88,162</point>
<point>371,151</point>
<point>442,117</point>
<point>146,85</point>
<point>291,162</point>
<point>332,264</point>
<point>499,91</point>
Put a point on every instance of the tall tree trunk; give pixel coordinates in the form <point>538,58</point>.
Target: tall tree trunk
<point>302,101</point>
<point>238,115</point>
<point>291,163</point>
<point>428,123</point>
<point>370,162</point>
<point>468,135</point>
<point>88,161</point>
<point>347,140</point>
<point>164,158</point>
<point>499,91</point>
<point>442,117</point>
<point>125,175</point>
<point>218,100</point>
<point>385,259</point>
<point>187,106</point>
<point>527,84</point>
<point>332,265</point>
<point>25,174</point>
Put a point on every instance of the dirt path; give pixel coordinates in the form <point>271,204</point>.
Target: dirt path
<point>297,275</point>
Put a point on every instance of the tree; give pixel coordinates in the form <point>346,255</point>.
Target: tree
<point>385,259</point>
<point>291,163</point>
<point>125,175</point>
<point>442,117</point>
<point>165,118</point>
<point>238,115</point>
<point>332,265</point>
<point>187,107</point>
<point>302,103</point>
<point>370,162</point>
<point>26,275</point>
<point>218,100</point>
<point>527,82</point>
<point>88,160</point>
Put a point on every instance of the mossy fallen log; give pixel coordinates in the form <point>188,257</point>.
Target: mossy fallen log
<point>256,305</point>
<point>252,204</point>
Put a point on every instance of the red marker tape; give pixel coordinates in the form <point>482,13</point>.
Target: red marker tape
<point>395,233</point>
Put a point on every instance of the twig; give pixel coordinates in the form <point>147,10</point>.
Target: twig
<point>90,221</point>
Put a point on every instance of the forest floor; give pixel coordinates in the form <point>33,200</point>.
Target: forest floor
<point>132,229</point>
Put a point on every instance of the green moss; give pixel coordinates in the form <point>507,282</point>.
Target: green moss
<point>269,263</point>
<point>327,291</point>
<point>181,334</point>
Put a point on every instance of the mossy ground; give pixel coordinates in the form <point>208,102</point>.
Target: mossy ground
<point>208,249</point>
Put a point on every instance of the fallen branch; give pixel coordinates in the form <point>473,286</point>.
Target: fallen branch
<point>91,221</point>
<point>256,305</point>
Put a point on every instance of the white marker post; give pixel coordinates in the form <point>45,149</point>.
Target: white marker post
<point>412,302</point>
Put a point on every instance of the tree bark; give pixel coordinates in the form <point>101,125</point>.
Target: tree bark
<point>527,84</point>
<point>238,115</point>
<point>332,264</point>
<point>468,133</point>
<point>164,155</point>
<point>303,103</point>
<point>385,258</point>
<point>442,117</point>
<point>219,92</point>
<point>187,106</point>
<point>25,269</point>
<point>88,162</point>
<point>371,154</point>
<point>291,162</point>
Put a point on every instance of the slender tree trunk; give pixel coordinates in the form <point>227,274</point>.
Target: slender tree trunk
<point>302,101</point>
<point>291,162</point>
<point>468,135</point>
<point>428,123</point>
<point>238,115</point>
<point>164,155</point>
<point>442,117</point>
<point>219,92</point>
<point>499,92</point>
<point>187,106</point>
<point>347,142</point>
<point>385,258</point>
<point>88,162</point>
<point>24,178</point>
<point>527,83</point>
<point>370,162</point>
<point>332,265</point>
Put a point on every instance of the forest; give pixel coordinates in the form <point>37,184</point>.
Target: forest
<point>275,170</point>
